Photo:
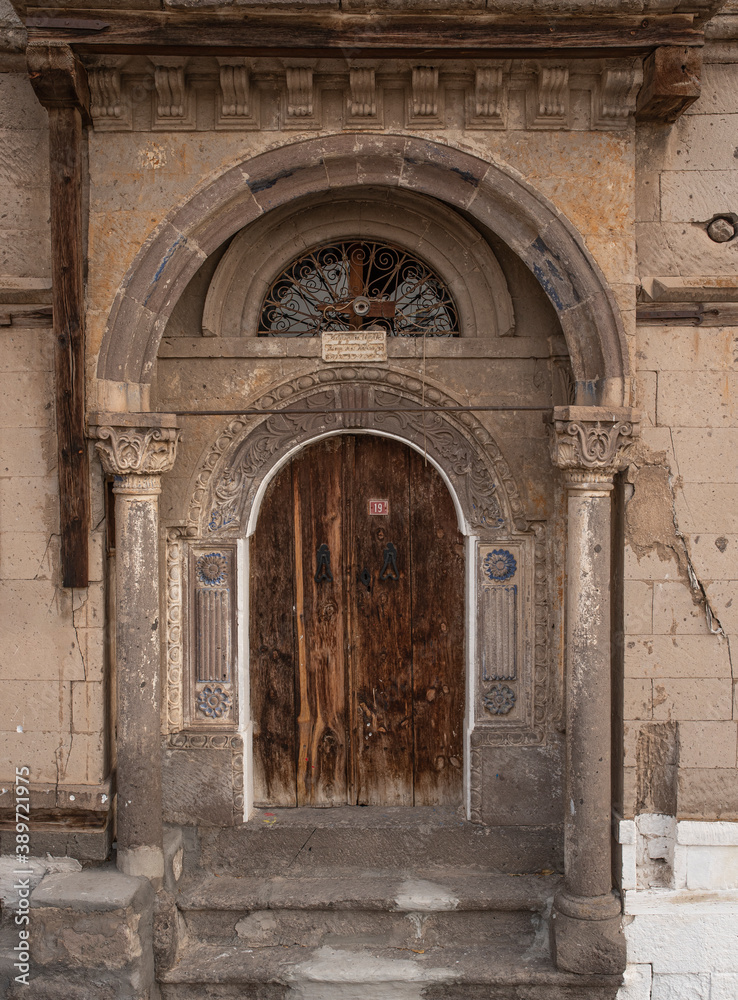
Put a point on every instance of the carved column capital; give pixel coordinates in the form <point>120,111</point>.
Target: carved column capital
<point>592,442</point>
<point>126,450</point>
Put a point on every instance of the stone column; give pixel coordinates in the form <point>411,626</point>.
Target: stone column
<point>589,444</point>
<point>136,456</point>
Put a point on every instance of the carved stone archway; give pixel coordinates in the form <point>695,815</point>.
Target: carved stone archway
<point>232,478</point>
<point>494,196</point>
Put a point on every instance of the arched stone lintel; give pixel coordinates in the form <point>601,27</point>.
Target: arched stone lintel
<point>533,228</point>
<point>233,475</point>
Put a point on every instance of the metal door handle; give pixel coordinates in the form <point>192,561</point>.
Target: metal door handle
<point>389,568</point>
<point>323,572</point>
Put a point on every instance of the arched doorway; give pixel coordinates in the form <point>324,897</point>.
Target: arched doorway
<point>357,630</point>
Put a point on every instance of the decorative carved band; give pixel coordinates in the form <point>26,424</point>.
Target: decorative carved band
<point>591,439</point>
<point>173,721</point>
<point>137,451</point>
<point>246,450</point>
<point>137,486</point>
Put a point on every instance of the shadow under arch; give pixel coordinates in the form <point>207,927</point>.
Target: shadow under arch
<point>497,197</point>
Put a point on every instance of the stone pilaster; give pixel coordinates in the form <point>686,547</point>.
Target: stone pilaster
<point>589,444</point>
<point>137,456</point>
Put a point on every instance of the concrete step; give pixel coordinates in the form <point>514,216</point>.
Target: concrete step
<point>489,972</point>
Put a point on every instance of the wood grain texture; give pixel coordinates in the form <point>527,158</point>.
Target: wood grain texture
<point>65,158</point>
<point>60,83</point>
<point>321,722</point>
<point>443,36</point>
<point>358,696</point>
<point>381,651</point>
<point>437,583</point>
<point>272,636</point>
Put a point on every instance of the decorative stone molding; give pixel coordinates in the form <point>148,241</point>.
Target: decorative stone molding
<point>204,741</point>
<point>137,451</point>
<point>210,693</point>
<point>512,639</point>
<point>548,99</point>
<point>615,96</point>
<point>248,448</point>
<point>106,103</point>
<point>425,91</point>
<point>425,106</point>
<point>236,100</point>
<point>174,102</point>
<point>488,99</point>
<point>362,93</point>
<point>174,593</point>
<point>299,92</point>
<point>251,87</point>
<point>592,439</point>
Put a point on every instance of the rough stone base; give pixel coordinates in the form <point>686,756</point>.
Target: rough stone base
<point>91,936</point>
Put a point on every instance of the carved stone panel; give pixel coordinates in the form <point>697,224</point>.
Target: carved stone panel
<point>390,403</point>
<point>211,695</point>
<point>511,676</point>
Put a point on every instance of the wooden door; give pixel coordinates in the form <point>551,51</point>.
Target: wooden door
<point>357,631</point>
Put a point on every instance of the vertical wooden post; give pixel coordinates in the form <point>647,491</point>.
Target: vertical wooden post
<point>60,84</point>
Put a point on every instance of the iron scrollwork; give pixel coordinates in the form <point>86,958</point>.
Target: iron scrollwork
<point>323,572</point>
<point>356,284</point>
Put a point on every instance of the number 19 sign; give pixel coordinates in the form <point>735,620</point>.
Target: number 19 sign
<point>379,506</point>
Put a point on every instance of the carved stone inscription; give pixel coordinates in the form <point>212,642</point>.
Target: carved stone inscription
<point>363,345</point>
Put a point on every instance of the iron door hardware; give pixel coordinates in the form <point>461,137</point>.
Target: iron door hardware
<point>323,572</point>
<point>365,577</point>
<point>389,567</point>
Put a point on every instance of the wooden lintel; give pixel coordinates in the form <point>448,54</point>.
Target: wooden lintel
<point>348,35</point>
<point>671,82</point>
<point>60,84</point>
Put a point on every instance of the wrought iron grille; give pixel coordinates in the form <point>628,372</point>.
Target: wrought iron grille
<point>355,285</point>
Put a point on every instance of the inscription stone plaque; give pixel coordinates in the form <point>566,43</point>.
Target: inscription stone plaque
<point>359,345</point>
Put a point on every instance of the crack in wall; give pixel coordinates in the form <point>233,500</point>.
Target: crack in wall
<point>652,524</point>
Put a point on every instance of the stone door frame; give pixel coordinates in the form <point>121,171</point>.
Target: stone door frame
<point>589,442</point>
<point>234,474</point>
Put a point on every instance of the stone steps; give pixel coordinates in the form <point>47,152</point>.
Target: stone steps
<point>489,972</point>
<point>394,912</point>
<point>368,905</point>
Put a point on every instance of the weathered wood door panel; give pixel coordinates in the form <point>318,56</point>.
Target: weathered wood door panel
<point>368,709</point>
<point>380,607</point>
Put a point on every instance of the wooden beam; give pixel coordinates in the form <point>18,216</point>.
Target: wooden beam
<point>351,36</point>
<point>671,82</point>
<point>60,84</point>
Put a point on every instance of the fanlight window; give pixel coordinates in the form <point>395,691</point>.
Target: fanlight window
<point>355,285</point>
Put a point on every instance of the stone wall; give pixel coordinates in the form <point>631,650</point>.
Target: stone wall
<point>679,872</point>
<point>51,639</point>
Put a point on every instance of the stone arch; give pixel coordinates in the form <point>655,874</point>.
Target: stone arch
<point>439,235</point>
<point>233,474</point>
<point>495,196</point>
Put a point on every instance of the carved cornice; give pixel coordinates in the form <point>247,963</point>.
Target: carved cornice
<point>138,451</point>
<point>592,439</point>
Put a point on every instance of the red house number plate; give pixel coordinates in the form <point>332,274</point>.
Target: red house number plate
<point>379,506</point>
